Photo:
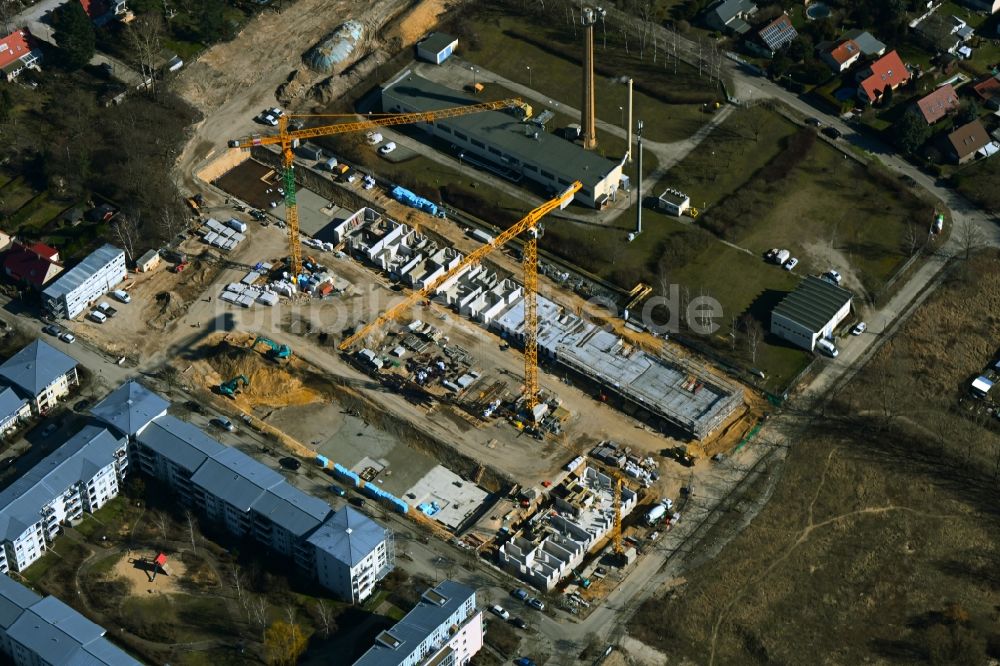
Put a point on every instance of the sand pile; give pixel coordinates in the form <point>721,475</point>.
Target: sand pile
<point>165,308</point>
<point>272,383</point>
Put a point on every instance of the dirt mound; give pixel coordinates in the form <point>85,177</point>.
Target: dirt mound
<point>295,87</point>
<point>416,23</point>
<point>165,308</point>
<point>271,383</point>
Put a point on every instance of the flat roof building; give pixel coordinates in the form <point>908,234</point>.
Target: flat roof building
<point>436,47</point>
<point>101,271</point>
<point>810,312</point>
<point>505,145</point>
<point>445,627</point>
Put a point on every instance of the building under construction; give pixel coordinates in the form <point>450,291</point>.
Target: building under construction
<point>554,542</point>
<point>670,389</point>
<point>514,148</point>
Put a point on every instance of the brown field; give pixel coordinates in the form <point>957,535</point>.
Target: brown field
<point>880,542</point>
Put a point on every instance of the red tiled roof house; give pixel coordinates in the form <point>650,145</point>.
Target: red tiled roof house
<point>841,57</point>
<point>18,52</point>
<point>35,265</point>
<point>938,104</point>
<point>886,72</point>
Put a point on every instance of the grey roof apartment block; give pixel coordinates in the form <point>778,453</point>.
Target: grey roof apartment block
<point>78,460</point>
<point>130,408</point>
<point>179,442</point>
<point>813,303</point>
<point>35,367</point>
<point>52,632</point>
<point>100,272</point>
<point>11,404</point>
<point>438,605</point>
<point>348,536</point>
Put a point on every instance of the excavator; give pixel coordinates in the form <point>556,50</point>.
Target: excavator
<point>276,351</point>
<point>229,388</point>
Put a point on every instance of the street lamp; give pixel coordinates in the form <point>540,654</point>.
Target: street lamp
<point>475,72</point>
<point>528,67</point>
<point>621,113</point>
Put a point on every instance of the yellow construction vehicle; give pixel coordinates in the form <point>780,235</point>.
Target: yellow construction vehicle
<point>526,225</point>
<point>287,139</point>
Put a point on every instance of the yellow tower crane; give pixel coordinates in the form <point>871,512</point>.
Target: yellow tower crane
<point>287,140</point>
<point>527,224</point>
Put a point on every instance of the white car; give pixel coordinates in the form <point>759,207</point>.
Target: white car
<point>121,295</point>
<point>791,263</point>
<point>859,328</point>
<point>99,317</point>
<point>68,338</point>
<point>268,119</point>
<point>275,112</point>
<point>500,612</point>
<point>827,347</point>
<point>387,148</point>
<point>833,276</point>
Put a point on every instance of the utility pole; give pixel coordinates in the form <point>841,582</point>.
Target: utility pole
<point>638,184</point>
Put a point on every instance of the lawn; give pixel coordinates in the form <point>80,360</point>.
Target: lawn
<point>15,194</point>
<point>504,47</point>
<point>978,181</point>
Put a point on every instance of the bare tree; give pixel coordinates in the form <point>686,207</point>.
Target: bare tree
<point>144,39</point>
<point>326,618</point>
<point>161,521</point>
<point>258,611</point>
<point>911,239</point>
<point>190,519</point>
<point>171,223</point>
<point>970,238</point>
<point>755,335</point>
<point>238,585</point>
<point>126,230</point>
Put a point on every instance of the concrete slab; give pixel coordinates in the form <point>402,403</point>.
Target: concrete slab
<point>457,497</point>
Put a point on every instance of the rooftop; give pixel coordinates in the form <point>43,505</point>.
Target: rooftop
<point>867,42</point>
<point>183,444</point>
<point>845,51</point>
<point>813,303</point>
<point>966,140</point>
<point>436,41</point>
<point>778,32</point>
<point>10,403</point>
<point>35,367</point>
<point>83,271</point>
<point>887,71</point>
<point>15,46</point>
<point>79,459</point>
<point>348,536</point>
<point>936,105</point>
<point>436,606</point>
<point>130,408</point>
<point>501,130</point>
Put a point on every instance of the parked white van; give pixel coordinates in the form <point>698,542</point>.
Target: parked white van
<point>827,347</point>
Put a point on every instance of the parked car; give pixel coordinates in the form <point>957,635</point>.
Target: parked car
<point>519,594</point>
<point>827,347</point>
<point>859,328</point>
<point>815,122</point>
<point>224,423</point>
<point>49,429</point>
<point>832,132</point>
<point>106,309</point>
<point>98,317</point>
<point>387,148</point>
<point>833,276</point>
<point>7,462</point>
<point>537,604</point>
<point>291,463</point>
<point>82,404</point>
<point>357,501</point>
<point>193,406</point>
<point>519,623</point>
<point>499,612</point>
<point>338,491</point>
<point>122,296</point>
<point>52,329</point>
<point>68,338</point>
<point>791,263</point>
<point>523,661</point>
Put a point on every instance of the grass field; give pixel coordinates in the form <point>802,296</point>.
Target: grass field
<point>978,182</point>
<point>504,47</point>
<point>880,542</point>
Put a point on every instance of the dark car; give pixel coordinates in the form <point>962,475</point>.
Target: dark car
<point>358,501</point>
<point>519,623</point>
<point>193,406</point>
<point>52,329</point>
<point>523,661</point>
<point>7,462</point>
<point>82,404</point>
<point>520,594</point>
<point>815,122</point>
<point>290,463</point>
<point>338,491</point>
<point>832,132</point>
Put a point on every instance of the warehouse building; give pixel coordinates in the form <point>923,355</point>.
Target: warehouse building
<point>504,145</point>
<point>347,552</point>
<point>37,630</point>
<point>41,374</point>
<point>81,475</point>
<point>444,628</point>
<point>811,312</point>
<point>102,270</point>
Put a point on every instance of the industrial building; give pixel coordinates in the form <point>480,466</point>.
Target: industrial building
<point>41,374</point>
<point>102,270</point>
<point>346,551</point>
<point>811,312</point>
<point>81,475</point>
<point>503,144</point>
<point>37,631</point>
<point>444,629</point>
<point>668,388</point>
<point>556,541</point>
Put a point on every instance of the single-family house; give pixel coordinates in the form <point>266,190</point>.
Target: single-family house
<point>964,142</point>
<point>41,374</point>
<point>943,33</point>
<point>866,41</point>
<point>730,16</point>
<point>886,72</point>
<point>988,92</point>
<point>938,104</point>
<point>811,312</point>
<point>842,56</point>
<point>778,33</point>
<point>34,265</point>
<point>436,47</point>
<point>14,410</point>
<point>18,52</point>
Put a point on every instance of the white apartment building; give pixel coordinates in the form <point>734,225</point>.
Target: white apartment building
<point>102,271</point>
<point>81,475</point>
<point>14,410</point>
<point>444,629</point>
<point>40,374</point>
<point>351,553</point>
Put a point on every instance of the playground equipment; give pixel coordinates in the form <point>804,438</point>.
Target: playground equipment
<point>276,351</point>
<point>229,388</point>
